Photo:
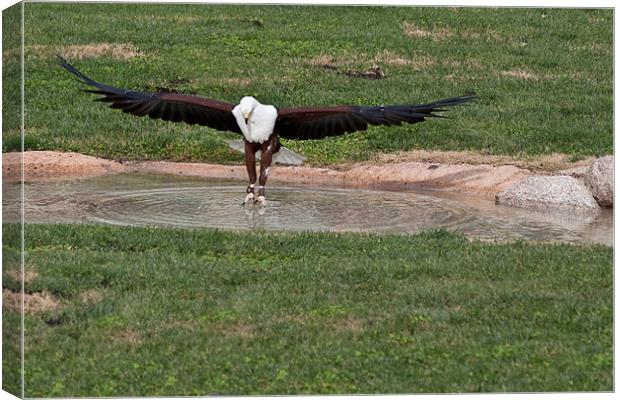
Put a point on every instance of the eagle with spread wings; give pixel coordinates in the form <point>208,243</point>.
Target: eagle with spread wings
<point>261,125</point>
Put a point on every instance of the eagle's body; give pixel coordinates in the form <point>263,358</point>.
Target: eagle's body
<point>261,125</point>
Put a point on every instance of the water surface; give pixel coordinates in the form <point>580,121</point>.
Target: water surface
<point>172,201</point>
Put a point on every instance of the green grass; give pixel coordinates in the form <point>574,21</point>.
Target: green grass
<point>212,49</point>
<point>191,312</point>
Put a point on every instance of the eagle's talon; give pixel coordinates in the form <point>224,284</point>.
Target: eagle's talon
<point>249,199</point>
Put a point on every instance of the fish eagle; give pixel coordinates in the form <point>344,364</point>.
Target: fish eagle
<point>260,124</point>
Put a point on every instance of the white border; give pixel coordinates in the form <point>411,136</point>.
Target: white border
<point>463,3</point>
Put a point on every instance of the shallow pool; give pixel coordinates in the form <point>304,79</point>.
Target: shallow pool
<point>166,200</point>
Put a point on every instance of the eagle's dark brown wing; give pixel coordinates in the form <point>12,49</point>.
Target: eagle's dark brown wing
<point>319,122</point>
<point>167,106</point>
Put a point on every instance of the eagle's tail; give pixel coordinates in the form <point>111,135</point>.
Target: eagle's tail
<point>283,156</point>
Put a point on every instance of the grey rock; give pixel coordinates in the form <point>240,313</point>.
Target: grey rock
<point>553,193</point>
<point>284,156</point>
<point>600,180</point>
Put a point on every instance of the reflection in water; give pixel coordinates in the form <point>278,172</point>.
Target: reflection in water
<point>160,200</point>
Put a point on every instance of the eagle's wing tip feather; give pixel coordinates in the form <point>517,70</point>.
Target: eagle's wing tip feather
<point>470,96</point>
<point>64,63</point>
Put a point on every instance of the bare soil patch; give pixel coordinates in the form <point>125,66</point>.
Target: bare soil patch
<point>34,303</point>
<point>342,62</point>
<point>530,76</point>
<point>29,275</point>
<point>422,63</point>
<point>118,51</point>
<point>524,75</point>
<point>440,33</point>
<point>437,34</point>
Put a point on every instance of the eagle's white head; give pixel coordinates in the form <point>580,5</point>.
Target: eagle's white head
<point>247,105</point>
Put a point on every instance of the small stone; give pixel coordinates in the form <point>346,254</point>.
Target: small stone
<point>600,180</point>
<point>559,193</point>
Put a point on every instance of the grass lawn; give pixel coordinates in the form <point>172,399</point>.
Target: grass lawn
<point>138,311</point>
<point>544,76</point>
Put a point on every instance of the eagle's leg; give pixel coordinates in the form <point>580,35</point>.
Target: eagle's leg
<point>250,164</point>
<point>267,149</point>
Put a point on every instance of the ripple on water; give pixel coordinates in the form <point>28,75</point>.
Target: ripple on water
<point>147,200</point>
<point>287,209</point>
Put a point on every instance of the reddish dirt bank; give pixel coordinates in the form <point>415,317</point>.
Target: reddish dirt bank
<point>50,165</point>
<point>482,179</point>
